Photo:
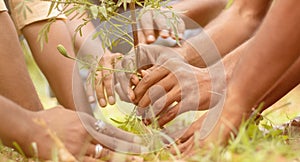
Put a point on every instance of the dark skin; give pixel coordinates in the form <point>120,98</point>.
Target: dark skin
<point>77,129</point>
<point>240,98</point>
<point>13,69</point>
<point>243,14</point>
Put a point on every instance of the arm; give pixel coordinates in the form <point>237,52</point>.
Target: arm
<point>202,12</point>
<point>231,28</point>
<point>79,126</point>
<point>15,82</point>
<point>57,69</point>
<point>269,49</point>
<point>270,56</point>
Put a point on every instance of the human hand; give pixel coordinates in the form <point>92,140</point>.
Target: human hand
<point>147,57</point>
<point>79,135</point>
<point>104,83</point>
<point>156,23</point>
<point>172,88</point>
<point>215,127</point>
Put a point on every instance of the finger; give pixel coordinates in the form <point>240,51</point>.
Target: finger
<point>182,135</point>
<point>90,93</point>
<point>180,28</point>
<point>169,115</point>
<point>160,106</point>
<point>173,132</point>
<point>142,37</point>
<point>124,79</point>
<point>183,147</point>
<point>195,126</point>
<point>161,23</point>
<point>100,89</point>
<point>108,78</point>
<point>111,142</point>
<point>135,80</point>
<point>108,129</point>
<point>122,82</point>
<point>116,144</point>
<point>155,92</point>
<point>92,154</point>
<point>91,150</point>
<point>148,80</point>
<point>148,26</point>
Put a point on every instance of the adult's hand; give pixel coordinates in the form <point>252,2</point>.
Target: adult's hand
<point>156,23</point>
<point>147,58</point>
<point>104,83</point>
<point>79,135</point>
<point>171,89</point>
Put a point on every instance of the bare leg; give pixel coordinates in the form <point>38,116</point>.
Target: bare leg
<point>15,82</point>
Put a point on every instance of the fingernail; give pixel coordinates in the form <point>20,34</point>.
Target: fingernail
<point>102,102</point>
<point>164,33</point>
<point>150,38</point>
<point>180,35</point>
<point>111,100</point>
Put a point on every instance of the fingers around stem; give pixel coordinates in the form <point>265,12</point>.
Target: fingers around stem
<point>148,80</point>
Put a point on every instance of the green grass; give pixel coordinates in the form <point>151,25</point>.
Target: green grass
<point>251,144</point>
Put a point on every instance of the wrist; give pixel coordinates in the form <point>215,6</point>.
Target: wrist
<point>25,131</point>
<point>190,54</point>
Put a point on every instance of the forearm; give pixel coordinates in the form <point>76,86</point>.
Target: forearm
<point>230,29</point>
<point>270,53</point>
<point>15,82</point>
<point>286,83</point>
<point>57,69</point>
<point>201,12</point>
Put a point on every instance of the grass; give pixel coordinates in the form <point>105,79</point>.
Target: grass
<point>251,144</point>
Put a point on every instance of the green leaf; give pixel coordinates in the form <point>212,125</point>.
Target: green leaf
<point>51,8</point>
<point>94,11</point>
<point>102,9</point>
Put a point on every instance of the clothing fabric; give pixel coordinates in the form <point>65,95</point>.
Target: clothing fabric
<point>38,11</point>
<point>2,6</point>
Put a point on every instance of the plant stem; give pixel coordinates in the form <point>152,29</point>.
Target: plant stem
<point>135,33</point>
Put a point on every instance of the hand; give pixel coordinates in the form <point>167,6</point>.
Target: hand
<point>78,134</point>
<point>148,57</point>
<point>154,23</point>
<point>215,127</point>
<point>175,87</point>
<point>171,89</point>
<point>104,83</point>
